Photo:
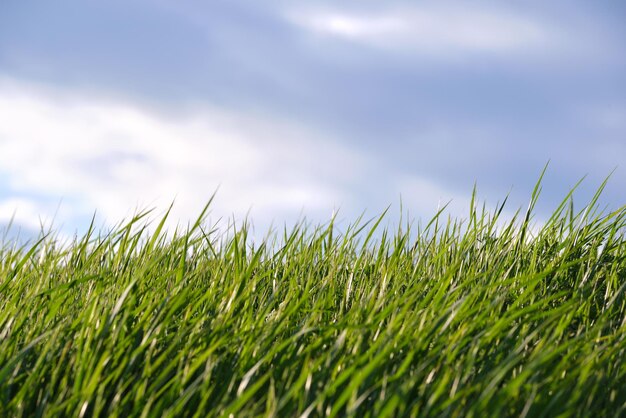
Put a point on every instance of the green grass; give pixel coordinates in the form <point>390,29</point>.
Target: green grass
<point>475,317</point>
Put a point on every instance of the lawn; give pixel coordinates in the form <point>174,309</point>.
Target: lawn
<point>481,316</point>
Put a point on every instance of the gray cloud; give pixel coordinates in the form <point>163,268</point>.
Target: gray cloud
<point>444,114</point>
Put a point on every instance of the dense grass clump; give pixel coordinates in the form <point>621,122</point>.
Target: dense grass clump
<point>481,317</point>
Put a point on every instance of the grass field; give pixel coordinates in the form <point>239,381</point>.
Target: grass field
<point>476,317</point>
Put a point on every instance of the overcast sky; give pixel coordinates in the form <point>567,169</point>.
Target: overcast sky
<point>302,108</point>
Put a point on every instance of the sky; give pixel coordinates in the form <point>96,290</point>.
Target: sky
<point>305,109</point>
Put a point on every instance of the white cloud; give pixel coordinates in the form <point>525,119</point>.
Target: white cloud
<point>23,212</point>
<point>428,197</point>
<point>440,30</point>
<point>116,156</point>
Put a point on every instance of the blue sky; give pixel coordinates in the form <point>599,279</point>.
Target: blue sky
<point>298,108</point>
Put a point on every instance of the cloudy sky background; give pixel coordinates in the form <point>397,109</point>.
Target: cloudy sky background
<point>302,108</point>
